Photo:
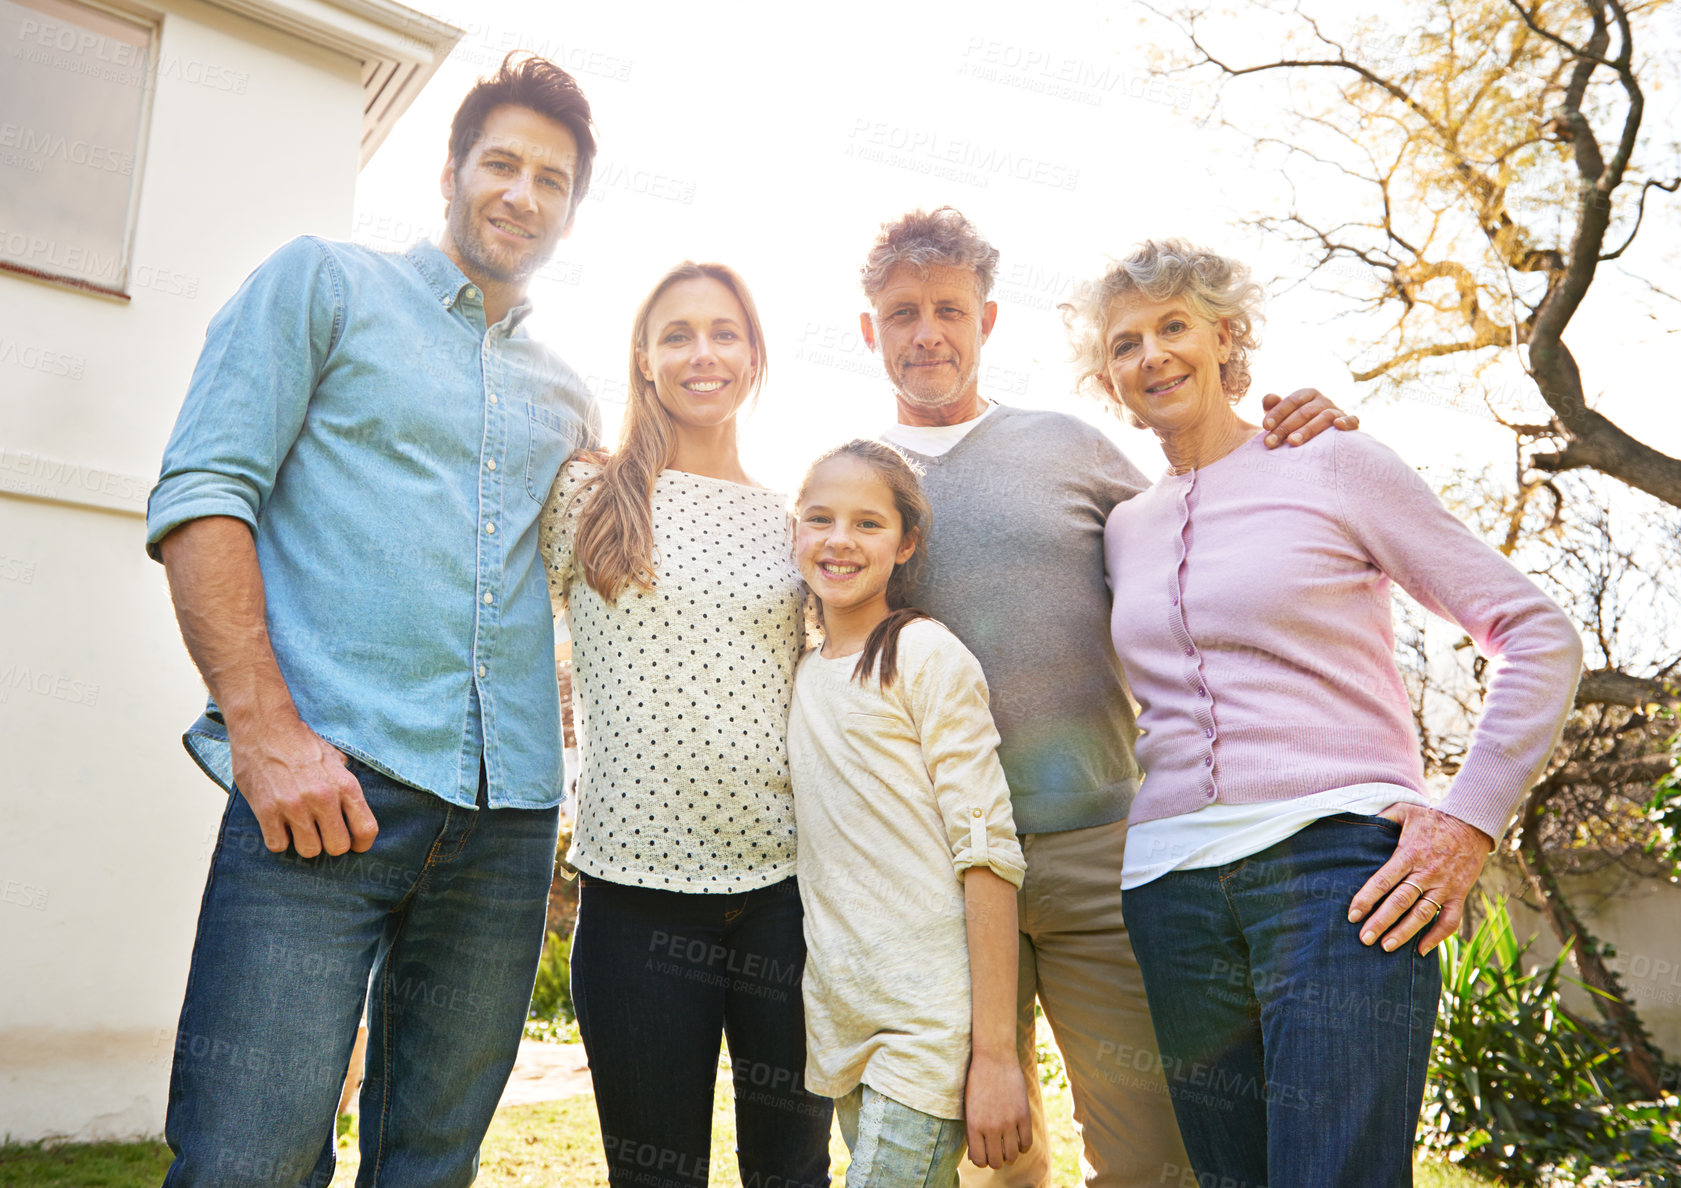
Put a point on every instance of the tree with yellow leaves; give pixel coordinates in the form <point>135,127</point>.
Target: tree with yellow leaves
<point>1484,162</point>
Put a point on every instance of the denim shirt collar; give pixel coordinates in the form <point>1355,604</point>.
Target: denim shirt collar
<point>449,284</point>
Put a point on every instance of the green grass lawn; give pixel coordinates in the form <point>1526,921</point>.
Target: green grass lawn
<point>551,1143</point>
<point>1428,1173</point>
<point>101,1165</point>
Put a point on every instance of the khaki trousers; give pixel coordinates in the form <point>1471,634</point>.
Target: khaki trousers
<point>1077,962</point>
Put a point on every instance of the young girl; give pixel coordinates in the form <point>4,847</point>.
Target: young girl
<point>686,616</point>
<point>908,859</point>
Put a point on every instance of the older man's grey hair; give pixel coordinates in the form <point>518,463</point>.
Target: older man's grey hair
<point>1214,286</point>
<point>929,239</point>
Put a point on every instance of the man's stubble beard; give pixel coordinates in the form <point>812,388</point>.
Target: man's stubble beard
<point>951,393</point>
<point>469,239</point>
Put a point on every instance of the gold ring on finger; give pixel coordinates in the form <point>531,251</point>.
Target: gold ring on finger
<point>1423,898</point>
<point>1414,886</point>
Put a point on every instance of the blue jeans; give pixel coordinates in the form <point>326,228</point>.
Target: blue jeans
<point>658,977</point>
<point>1295,1055</point>
<point>894,1146</point>
<point>445,912</point>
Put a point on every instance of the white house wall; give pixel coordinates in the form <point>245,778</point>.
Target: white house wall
<point>105,823</point>
<point>1635,917</point>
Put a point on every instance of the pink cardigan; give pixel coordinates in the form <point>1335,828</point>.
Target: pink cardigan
<point>1252,617</point>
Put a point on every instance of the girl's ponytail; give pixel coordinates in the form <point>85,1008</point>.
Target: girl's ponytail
<point>884,642</point>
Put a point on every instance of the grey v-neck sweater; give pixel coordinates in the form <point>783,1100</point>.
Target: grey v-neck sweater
<point>1014,566</point>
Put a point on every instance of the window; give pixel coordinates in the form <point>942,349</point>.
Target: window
<point>75,89</point>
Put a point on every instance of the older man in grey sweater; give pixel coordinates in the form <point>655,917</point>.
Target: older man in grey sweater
<point>1014,566</point>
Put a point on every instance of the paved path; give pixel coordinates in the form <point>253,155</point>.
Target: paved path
<point>545,1072</point>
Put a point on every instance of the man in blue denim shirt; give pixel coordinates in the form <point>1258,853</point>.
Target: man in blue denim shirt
<point>348,517</point>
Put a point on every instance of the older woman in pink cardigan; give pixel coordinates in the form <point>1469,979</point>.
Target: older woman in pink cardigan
<point>1287,876</point>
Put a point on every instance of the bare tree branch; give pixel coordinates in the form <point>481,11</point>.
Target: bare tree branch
<point>1640,212</point>
<point>1468,139</point>
<point>1645,770</point>
<point>1610,687</point>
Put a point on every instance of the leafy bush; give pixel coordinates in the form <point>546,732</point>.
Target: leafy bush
<point>1664,813</point>
<point>1052,1074</point>
<point>551,1014</point>
<point>1521,1089</point>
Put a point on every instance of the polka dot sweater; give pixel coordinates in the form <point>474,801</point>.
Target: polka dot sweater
<point>682,692</point>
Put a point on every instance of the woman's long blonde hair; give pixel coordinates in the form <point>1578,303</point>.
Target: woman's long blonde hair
<point>615,542</point>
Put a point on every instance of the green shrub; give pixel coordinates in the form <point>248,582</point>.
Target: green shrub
<point>551,998</point>
<point>1521,1089</point>
<point>1052,1074</point>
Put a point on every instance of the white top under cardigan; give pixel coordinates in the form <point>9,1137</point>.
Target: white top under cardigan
<point>681,692</point>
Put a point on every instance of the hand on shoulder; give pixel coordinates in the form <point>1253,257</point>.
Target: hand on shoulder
<point>579,469</point>
<point>1302,416</point>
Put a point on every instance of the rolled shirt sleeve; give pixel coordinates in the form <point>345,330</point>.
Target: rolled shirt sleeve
<point>263,353</point>
<point>948,702</point>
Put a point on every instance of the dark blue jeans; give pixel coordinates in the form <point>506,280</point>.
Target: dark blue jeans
<point>1295,1055</point>
<point>657,978</point>
<point>445,913</point>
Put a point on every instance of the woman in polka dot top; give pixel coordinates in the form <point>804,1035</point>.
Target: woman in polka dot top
<point>676,575</point>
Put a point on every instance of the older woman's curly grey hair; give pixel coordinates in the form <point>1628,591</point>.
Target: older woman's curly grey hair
<point>1214,286</point>
<point>929,239</point>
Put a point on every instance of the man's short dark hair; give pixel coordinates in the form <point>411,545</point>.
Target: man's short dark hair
<point>536,83</point>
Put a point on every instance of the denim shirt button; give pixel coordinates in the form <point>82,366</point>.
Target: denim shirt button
<point>490,465</point>
<point>490,528</point>
<point>489,598</point>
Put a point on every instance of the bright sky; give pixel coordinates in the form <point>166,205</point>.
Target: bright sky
<point>776,138</point>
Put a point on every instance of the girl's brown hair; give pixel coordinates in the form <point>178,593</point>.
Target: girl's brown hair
<point>615,543</point>
<point>897,471</point>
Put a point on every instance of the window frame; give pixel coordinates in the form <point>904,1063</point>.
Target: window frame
<point>152,21</point>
